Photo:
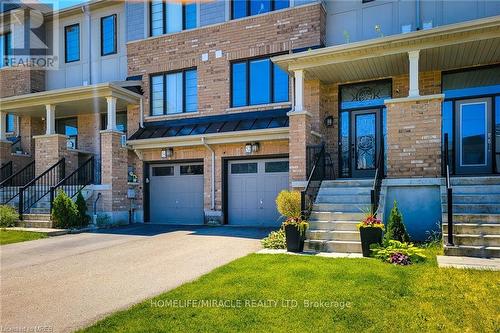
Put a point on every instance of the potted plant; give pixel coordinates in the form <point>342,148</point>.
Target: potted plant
<point>288,205</point>
<point>370,231</point>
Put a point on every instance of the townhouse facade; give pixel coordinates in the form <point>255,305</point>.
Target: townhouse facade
<point>200,113</point>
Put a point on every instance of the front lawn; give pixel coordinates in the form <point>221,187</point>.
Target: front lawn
<point>16,236</point>
<point>315,294</point>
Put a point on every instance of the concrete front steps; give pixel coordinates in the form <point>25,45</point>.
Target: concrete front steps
<point>476,217</point>
<point>337,210</point>
<point>35,221</point>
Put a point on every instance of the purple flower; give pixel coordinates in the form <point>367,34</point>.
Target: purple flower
<point>398,258</point>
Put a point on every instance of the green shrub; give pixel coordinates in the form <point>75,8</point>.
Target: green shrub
<point>81,205</point>
<point>288,204</point>
<point>8,216</point>
<point>64,211</point>
<point>395,227</point>
<point>275,240</point>
<point>394,250</point>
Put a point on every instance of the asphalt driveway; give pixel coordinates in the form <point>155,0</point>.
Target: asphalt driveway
<point>68,282</point>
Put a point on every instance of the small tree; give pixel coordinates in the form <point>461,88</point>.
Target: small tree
<point>81,206</point>
<point>288,204</point>
<point>64,211</point>
<point>395,227</point>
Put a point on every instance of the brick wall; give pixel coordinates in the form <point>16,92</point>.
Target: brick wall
<point>14,82</point>
<point>30,127</point>
<point>414,138</point>
<point>49,149</point>
<point>251,37</point>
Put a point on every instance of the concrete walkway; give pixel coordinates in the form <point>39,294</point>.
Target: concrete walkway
<point>469,262</point>
<point>68,282</point>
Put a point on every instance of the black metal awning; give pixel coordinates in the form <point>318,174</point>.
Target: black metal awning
<point>244,121</point>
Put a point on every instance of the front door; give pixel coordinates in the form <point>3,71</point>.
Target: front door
<point>473,136</point>
<point>365,142</point>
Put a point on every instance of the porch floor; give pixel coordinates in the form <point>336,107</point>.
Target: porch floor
<point>469,262</point>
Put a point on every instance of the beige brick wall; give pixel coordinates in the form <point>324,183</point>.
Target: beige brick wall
<point>14,82</point>
<point>49,149</point>
<point>414,138</point>
<point>239,39</point>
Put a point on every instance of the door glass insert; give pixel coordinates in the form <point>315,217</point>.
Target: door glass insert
<point>344,142</point>
<point>192,169</point>
<point>163,171</point>
<point>365,141</point>
<point>473,134</point>
<point>239,168</point>
<point>281,166</point>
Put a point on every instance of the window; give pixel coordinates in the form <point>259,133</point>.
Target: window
<point>244,8</point>
<point>365,94</point>
<point>121,121</point>
<point>10,127</point>
<point>281,166</point>
<point>196,169</point>
<point>170,17</point>
<point>239,168</point>
<point>173,93</point>
<point>72,43</point>
<point>5,48</point>
<point>68,127</point>
<point>258,81</point>
<point>163,171</point>
<point>108,35</point>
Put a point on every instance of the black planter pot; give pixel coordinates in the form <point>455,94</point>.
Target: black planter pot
<point>294,240</point>
<point>369,236</point>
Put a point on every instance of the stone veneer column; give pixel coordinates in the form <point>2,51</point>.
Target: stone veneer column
<point>414,136</point>
<point>49,149</point>
<point>114,175</point>
<point>300,129</point>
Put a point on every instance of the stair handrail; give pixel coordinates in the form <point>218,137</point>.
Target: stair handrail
<point>6,170</point>
<point>75,181</point>
<point>308,195</point>
<point>41,184</point>
<point>449,192</point>
<point>12,184</point>
<point>377,183</point>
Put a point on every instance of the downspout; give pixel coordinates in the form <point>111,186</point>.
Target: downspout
<point>417,15</point>
<point>141,111</point>
<point>212,178</point>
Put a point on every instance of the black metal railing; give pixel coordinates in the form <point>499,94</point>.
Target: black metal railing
<point>449,191</point>
<point>6,171</point>
<point>40,186</point>
<point>377,183</point>
<point>9,188</point>
<point>316,177</point>
<point>75,181</point>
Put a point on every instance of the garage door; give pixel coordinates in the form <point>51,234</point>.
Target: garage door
<point>253,186</point>
<point>176,193</point>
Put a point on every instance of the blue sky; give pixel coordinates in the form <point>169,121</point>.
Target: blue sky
<point>63,3</point>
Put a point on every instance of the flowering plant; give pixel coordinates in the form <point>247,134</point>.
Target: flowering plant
<point>398,258</point>
<point>371,221</point>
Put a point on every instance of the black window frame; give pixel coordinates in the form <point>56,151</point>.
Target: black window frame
<point>247,74</point>
<point>249,8</point>
<point>5,51</point>
<point>164,74</point>
<point>115,37</point>
<point>164,20</point>
<point>66,43</point>
<point>7,128</point>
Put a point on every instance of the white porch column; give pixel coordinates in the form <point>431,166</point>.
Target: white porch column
<point>413,56</point>
<point>3,125</point>
<point>299,91</point>
<point>111,113</point>
<point>50,119</point>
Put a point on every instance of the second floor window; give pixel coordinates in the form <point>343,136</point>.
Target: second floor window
<point>11,120</point>
<point>5,48</point>
<point>72,43</point>
<point>243,8</point>
<point>108,35</point>
<point>173,93</point>
<point>257,81</point>
<point>170,17</point>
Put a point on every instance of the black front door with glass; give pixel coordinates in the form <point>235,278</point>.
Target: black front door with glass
<point>365,142</point>
<point>473,136</point>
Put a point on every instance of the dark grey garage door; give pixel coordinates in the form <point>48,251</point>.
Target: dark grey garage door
<point>176,193</point>
<point>253,187</point>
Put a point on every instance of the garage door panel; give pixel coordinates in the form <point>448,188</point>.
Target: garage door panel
<point>176,198</point>
<point>253,190</point>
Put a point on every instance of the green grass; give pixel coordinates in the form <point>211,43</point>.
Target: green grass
<point>16,236</point>
<point>373,297</point>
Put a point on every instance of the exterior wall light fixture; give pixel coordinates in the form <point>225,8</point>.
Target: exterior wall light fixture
<point>167,152</point>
